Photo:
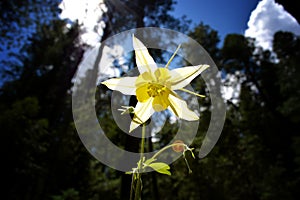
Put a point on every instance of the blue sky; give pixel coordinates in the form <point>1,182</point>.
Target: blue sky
<point>225,16</point>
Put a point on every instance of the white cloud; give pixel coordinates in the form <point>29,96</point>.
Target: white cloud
<point>88,13</point>
<point>268,18</point>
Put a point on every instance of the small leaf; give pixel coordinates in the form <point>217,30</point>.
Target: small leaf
<point>150,160</point>
<point>160,167</point>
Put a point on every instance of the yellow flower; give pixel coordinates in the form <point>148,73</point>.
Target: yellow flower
<point>155,87</point>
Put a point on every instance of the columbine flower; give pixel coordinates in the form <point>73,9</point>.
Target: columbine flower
<point>155,87</point>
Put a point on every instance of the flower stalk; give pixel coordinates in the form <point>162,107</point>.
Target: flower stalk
<point>138,188</point>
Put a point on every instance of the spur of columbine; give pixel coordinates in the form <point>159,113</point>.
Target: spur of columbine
<point>155,87</point>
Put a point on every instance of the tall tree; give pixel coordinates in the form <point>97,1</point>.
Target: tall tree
<point>37,119</point>
<point>266,134</point>
<point>19,22</point>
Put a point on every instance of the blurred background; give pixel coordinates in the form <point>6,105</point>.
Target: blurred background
<point>256,46</point>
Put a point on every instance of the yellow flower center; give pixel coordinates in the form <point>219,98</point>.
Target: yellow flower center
<point>155,90</point>
<point>154,86</point>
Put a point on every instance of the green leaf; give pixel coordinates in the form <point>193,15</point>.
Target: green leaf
<point>160,167</point>
<point>150,160</point>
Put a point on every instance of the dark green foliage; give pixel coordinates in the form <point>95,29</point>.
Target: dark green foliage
<point>208,38</point>
<point>36,119</point>
<point>19,22</point>
<point>257,156</point>
<point>286,46</point>
<point>236,51</point>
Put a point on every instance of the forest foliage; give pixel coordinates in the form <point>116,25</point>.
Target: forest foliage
<point>256,157</point>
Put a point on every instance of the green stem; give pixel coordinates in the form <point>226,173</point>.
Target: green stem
<point>131,188</point>
<point>143,141</point>
<point>138,189</point>
<point>167,147</point>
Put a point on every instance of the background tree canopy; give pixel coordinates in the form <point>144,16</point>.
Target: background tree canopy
<point>257,156</point>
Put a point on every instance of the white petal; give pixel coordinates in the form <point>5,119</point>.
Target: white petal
<point>125,85</point>
<point>133,125</point>
<point>143,112</point>
<point>180,109</point>
<point>144,61</point>
<point>181,77</point>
